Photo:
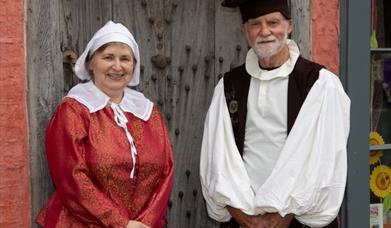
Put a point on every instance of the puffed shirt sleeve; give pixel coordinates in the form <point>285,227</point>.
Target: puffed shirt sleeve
<point>309,177</point>
<point>224,179</point>
<point>65,150</point>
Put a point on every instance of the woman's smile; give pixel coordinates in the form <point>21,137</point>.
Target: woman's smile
<point>112,69</point>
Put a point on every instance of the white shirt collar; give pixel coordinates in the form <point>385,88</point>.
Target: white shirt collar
<point>94,99</point>
<point>253,68</point>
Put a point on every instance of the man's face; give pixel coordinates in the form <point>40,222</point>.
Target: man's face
<point>267,34</point>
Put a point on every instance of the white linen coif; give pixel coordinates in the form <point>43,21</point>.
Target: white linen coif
<point>110,32</point>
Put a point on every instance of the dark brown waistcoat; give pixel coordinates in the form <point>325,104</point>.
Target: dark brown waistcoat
<point>236,88</point>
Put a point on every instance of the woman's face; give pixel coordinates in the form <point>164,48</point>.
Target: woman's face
<point>112,68</point>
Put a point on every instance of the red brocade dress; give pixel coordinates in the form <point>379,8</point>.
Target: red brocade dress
<point>90,164</point>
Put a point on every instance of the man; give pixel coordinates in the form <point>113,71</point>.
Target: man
<point>274,145</point>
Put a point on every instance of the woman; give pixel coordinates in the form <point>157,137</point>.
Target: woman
<point>107,146</point>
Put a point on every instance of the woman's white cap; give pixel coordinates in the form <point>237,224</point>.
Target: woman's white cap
<point>110,32</point>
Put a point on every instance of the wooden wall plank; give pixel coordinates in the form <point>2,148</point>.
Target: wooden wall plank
<point>144,20</point>
<point>191,44</point>
<point>44,66</point>
<point>301,15</point>
<point>231,44</point>
<point>79,20</point>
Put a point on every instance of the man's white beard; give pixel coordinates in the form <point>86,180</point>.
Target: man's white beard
<point>268,50</point>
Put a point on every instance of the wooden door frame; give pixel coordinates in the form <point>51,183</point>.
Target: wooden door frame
<point>355,73</point>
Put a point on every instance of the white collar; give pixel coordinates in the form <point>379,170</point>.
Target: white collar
<point>94,99</point>
<point>253,68</point>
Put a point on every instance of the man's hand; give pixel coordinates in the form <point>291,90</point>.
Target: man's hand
<point>270,220</point>
<point>274,220</point>
<point>244,220</point>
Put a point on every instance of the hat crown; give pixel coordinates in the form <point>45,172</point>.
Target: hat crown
<point>233,3</point>
<point>255,8</point>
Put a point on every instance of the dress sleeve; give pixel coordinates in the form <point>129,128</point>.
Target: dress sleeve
<point>65,148</point>
<point>154,213</point>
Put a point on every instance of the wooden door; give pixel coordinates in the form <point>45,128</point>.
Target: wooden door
<point>185,46</point>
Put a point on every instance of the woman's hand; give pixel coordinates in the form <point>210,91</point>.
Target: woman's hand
<point>136,224</point>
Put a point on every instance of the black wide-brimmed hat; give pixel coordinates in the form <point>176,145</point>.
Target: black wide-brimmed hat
<point>255,8</point>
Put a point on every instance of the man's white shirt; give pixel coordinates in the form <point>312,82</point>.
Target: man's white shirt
<point>304,173</point>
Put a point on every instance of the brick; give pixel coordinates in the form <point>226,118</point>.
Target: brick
<point>14,160</point>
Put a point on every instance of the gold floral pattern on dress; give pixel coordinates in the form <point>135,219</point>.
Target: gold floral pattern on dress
<point>89,157</point>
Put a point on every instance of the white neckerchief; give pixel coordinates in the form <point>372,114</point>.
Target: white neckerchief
<point>134,102</point>
<point>252,64</point>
